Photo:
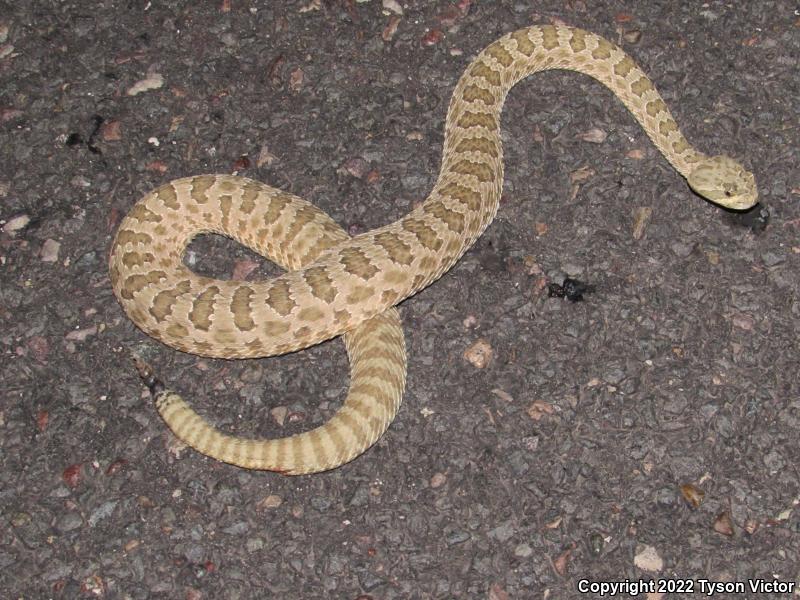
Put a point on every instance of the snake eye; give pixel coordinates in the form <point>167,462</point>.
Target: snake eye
<point>728,193</point>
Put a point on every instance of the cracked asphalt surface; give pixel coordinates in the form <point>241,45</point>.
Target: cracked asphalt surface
<point>649,431</point>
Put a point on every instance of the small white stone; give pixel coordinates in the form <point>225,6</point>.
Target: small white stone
<point>648,559</point>
<point>152,82</point>
<point>16,223</point>
<point>50,250</point>
<point>393,6</point>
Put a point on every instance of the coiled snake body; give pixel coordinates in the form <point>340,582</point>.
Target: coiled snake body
<point>340,285</point>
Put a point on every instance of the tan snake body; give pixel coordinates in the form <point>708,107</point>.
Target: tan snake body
<point>338,284</point>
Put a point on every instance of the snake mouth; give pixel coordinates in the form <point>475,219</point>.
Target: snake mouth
<point>738,202</point>
<point>744,205</point>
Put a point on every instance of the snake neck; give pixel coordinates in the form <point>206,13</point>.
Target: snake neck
<point>501,65</point>
<point>470,181</point>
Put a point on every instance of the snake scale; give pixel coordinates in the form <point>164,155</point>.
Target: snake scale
<point>336,284</point>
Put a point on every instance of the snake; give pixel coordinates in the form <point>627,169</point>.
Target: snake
<point>335,284</point>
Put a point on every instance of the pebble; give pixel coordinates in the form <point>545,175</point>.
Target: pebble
<point>723,425</point>
<point>16,224</point>
<point>20,519</point>
<point>55,569</point>
<point>518,462</point>
<point>774,462</point>
<point>82,25</point>
<point>80,181</point>
<point>633,36</point>
<point>681,249</point>
<point>254,544</point>
<point>393,6</point>
<point>722,524</point>
<point>459,536</point>
<point>239,528</point>
<point>50,250</point>
<point>648,559</point>
<point>614,376</point>
<point>80,335</point>
<point>772,259</point>
<point>641,218</point>
<point>69,522</point>
<point>438,480</point>
<point>594,136</point>
<point>103,511</point>
<point>503,533</point>
<point>151,82</point>
<point>360,496</point>
<point>87,260</point>
<point>523,550</point>
<point>572,270</point>
<point>320,503</point>
<point>271,501</point>
<point>665,497</point>
<point>279,413</point>
<point>194,553</point>
<point>479,354</point>
<point>369,580</point>
<point>252,394</point>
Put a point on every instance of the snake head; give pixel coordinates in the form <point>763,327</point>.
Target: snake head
<point>724,181</point>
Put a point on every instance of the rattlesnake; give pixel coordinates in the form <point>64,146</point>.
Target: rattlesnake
<point>342,284</point>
